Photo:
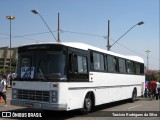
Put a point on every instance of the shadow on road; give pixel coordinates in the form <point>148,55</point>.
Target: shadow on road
<point>63,114</point>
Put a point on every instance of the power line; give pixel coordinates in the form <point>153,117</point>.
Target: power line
<point>82,33</point>
<point>105,37</point>
<point>18,37</point>
<point>132,50</point>
<point>27,34</point>
<point>65,31</point>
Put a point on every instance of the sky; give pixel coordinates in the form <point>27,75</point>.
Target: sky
<point>86,21</point>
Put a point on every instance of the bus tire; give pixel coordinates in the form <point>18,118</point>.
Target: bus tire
<point>88,103</point>
<point>134,95</point>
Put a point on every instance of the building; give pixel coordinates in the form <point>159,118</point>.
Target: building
<point>5,56</point>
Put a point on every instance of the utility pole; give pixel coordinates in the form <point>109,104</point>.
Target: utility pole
<point>58,28</point>
<point>108,45</point>
<point>147,51</point>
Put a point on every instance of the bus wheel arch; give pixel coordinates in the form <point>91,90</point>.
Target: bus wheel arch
<point>89,102</point>
<point>134,95</point>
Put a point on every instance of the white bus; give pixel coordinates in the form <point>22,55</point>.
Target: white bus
<point>68,76</point>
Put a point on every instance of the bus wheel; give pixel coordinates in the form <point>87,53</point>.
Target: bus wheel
<point>87,106</point>
<point>134,95</point>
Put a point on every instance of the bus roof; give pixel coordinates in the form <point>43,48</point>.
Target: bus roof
<point>83,46</point>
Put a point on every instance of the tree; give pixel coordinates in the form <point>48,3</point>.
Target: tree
<point>152,75</point>
<point>158,76</point>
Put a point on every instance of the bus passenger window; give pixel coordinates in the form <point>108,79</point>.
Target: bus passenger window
<point>98,61</point>
<point>122,65</point>
<point>137,68</point>
<point>106,64</point>
<point>75,64</point>
<point>91,61</point>
<point>82,64</point>
<point>111,64</point>
<point>130,68</point>
<point>142,69</point>
<point>115,64</point>
<point>70,62</point>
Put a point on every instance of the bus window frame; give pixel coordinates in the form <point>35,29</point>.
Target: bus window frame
<point>75,76</point>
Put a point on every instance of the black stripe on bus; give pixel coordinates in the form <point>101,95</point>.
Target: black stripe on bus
<point>102,87</point>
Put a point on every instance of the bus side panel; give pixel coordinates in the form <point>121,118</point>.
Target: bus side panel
<point>110,87</point>
<point>106,88</point>
<point>76,94</point>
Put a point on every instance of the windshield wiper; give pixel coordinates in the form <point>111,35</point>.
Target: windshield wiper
<point>42,74</point>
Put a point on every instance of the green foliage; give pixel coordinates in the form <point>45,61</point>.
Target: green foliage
<point>158,76</point>
<point>14,63</point>
<point>4,70</point>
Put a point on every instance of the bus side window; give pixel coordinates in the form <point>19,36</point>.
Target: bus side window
<point>82,64</point>
<point>130,67</point>
<point>137,68</point>
<point>142,69</point>
<point>96,61</point>
<point>75,64</point>
<point>71,62</point>
<point>115,61</point>
<point>106,63</point>
<point>122,65</point>
<point>91,61</point>
<point>111,63</point>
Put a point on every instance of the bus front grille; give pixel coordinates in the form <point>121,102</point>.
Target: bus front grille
<point>33,95</point>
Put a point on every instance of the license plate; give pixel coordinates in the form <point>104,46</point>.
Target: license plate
<point>28,105</point>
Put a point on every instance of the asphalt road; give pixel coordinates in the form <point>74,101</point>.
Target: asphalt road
<point>142,109</point>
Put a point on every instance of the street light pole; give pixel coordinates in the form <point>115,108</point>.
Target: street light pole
<point>147,51</point>
<point>10,18</point>
<point>108,46</point>
<point>36,12</point>
<point>58,28</point>
<point>140,23</point>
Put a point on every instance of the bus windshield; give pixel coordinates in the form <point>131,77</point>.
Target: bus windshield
<point>41,66</point>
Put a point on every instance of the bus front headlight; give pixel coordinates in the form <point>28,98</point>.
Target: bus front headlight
<point>54,96</point>
<point>14,96</point>
<point>54,93</point>
<point>54,100</point>
<point>14,93</point>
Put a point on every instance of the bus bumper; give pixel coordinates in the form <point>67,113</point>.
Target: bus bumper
<point>38,105</point>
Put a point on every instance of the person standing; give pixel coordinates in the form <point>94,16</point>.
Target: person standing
<point>146,94</point>
<point>157,90</point>
<point>152,87</point>
<point>3,85</point>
